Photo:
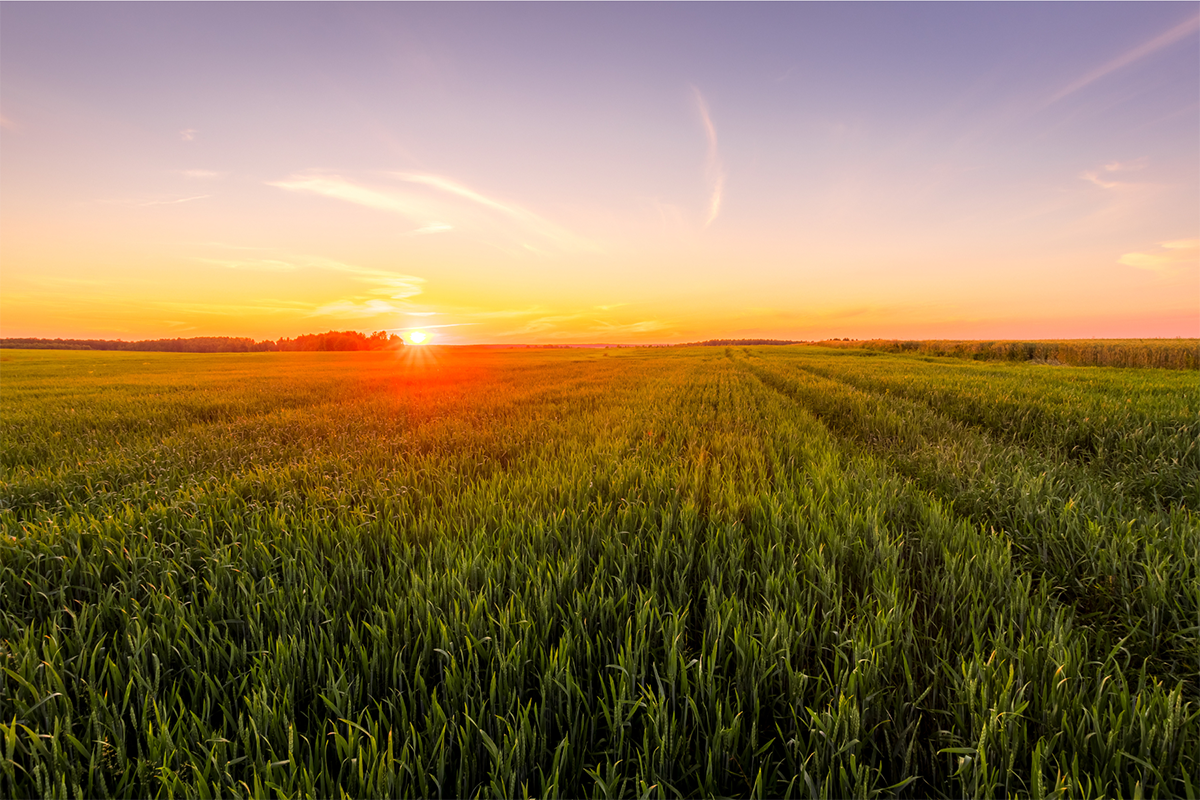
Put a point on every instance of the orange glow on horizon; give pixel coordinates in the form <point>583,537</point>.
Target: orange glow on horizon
<point>418,337</point>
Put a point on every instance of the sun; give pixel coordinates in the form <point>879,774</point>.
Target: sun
<point>418,337</point>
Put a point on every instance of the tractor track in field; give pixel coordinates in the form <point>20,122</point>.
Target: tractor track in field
<point>1094,604</point>
<point>1079,468</point>
<point>1083,457</point>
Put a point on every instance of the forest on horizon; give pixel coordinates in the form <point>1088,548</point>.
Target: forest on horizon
<point>309,342</point>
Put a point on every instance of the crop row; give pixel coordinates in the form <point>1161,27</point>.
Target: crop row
<point>1130,568</point>
<point>1138,353</point>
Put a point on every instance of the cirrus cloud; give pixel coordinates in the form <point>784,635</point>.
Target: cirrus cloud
<point>1097,176</point>
<point>1177,33</point>
<point>175,201</point>
<point>201,174</point>
<point>431,200</point>
<point>714,169</point>
<point>381,282</point>
<point>1173,257</point>
<point>339,188</point>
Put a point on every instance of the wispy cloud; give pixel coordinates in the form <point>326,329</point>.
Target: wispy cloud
<point>1097,176</point>
<point>548,325</point>
<point>1171,258</point>
<point>341,189</point>
<point>227,246</point>
<point>714,170</point>
<point>394,285</point>
<point>530,221</point>
<point>255,264</point>
<point>580,327</point>
<point>61,282</point>
<point>7,123</point>
<point>201,174</point>
<point>434,227</point>
<point>505,313</point>
<point>1126,166</point>
<point>432,210</point>
<point>450,187</point>
<point>266,306</point>
<point>434,327</point>
<point>175,201</point>
<point>384,294</point>
<point>188,134</point>
<point>541,322</point>
<point>353,308</point>
<point>1170,37</point>
<point>641,326</point>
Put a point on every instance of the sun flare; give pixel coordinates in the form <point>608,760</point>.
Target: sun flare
<point>418,337</point>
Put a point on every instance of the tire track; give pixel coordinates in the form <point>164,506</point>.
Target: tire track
<point>1109,567</point>
<point>1084,452</point>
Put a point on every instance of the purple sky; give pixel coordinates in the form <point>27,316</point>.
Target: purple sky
<point>611,172</point>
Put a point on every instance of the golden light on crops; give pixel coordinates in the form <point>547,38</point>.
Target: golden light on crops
<point>418,337</point>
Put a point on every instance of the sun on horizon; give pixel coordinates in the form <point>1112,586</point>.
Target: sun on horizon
<point>418,337</point>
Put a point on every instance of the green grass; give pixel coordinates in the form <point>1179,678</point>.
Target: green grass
<point>710,571</point>
<point>1153,353</point>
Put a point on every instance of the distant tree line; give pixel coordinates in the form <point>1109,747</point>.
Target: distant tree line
<point>340,340</point>
<point>729,342</point>
<point>310,342</point>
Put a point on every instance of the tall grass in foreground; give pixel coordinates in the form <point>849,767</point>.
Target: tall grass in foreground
<point>1126,561</point>
<point>1155,353</point>
<point>658,573</point>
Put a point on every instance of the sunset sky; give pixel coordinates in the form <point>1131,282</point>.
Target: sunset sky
<point>600,173</point>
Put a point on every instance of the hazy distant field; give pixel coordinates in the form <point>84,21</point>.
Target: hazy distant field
<point>1160,353</point>
<point>735,571</point>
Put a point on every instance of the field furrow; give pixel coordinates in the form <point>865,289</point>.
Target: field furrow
<point>1139,433</point>
<point>1130,570</point>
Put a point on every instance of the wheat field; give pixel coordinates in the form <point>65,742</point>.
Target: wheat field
<point>713,571</point>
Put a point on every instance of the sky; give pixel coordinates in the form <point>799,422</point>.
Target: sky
<point>624,173</point>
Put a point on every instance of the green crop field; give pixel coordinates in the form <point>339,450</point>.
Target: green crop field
<point>454,572</point>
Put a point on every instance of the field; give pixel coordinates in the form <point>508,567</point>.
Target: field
<point>744,571</point>
<point>1159,353</point>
